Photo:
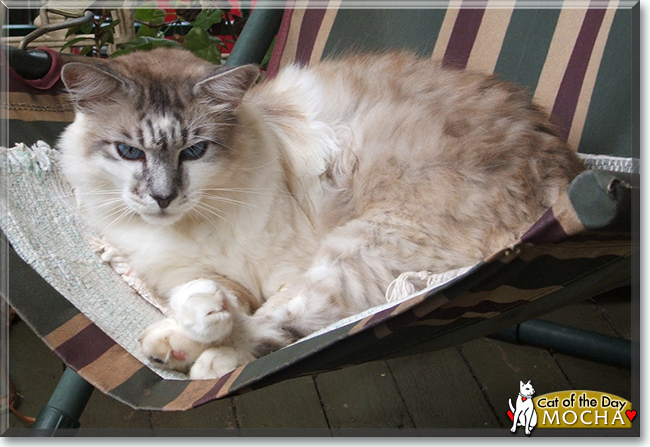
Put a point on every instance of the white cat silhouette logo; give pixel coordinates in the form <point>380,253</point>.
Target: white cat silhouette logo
<point>524,415</point>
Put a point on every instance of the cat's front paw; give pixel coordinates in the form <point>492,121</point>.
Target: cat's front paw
<point>214,363</point>
<point>204,310</point>
<point>166,344</point>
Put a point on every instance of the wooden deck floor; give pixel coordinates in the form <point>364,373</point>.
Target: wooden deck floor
<point>467,386</point>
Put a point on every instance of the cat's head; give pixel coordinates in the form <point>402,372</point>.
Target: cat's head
<point>152,131</point>
<point>526,389</point>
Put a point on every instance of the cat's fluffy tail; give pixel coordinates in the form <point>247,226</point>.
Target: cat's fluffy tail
<point>511,407</point>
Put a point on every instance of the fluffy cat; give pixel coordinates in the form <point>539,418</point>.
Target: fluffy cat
<point>265,212</point>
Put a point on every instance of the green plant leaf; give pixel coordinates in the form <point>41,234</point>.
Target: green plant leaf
<point>72,42</point>
<point>207,18</point>
<point>85,50</point>
<point>106,37</point>
<point>205,46</point>
<point>87,28</point>
<point>151,15</point>
<point>112,24</point>
<point>145,43</point>
<point>145,31</point>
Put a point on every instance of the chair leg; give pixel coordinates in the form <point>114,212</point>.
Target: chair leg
<point>572,341</point>
<point>65,406</point>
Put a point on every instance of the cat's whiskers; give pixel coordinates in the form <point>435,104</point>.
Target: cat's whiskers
<point>99,192</point>
<point>254,191</point>
<point>257,167</point>
<point>251,206</point>
<point>124,211</point>
<point>206,211</point>
<point>228,200</point>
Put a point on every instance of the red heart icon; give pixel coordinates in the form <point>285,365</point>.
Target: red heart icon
<point>512,416</point>
<point>631,414</point>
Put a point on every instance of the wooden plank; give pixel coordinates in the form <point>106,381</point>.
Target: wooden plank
<point>103,411</point>
<point>499,366</point>
<point>588,375</point>
<point>363,396</point>
<point>218,414</point>
<point>584,315</point>
<point>34,370</point>
<point>616,307</point>
<point>440,392</point>
<point>289,404</point>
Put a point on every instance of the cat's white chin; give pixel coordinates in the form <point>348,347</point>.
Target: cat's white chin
<point>162,218</point>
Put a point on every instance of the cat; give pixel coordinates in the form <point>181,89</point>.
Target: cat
<point>524,415</point>
<point>264,211</point>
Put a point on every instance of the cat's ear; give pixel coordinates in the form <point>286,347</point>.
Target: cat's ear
<point>228,87</point>
<point>90,85</point>
<point>521,383</point>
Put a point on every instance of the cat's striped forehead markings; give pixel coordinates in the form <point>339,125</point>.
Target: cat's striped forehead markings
<point>162,133</point>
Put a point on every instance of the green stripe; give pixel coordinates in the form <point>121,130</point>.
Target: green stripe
<point>526,45</point>
<point>608,129</point>
<point>385,29</point>
<point>146,390</point>
<point>29,132</point>
<point>36,301</point>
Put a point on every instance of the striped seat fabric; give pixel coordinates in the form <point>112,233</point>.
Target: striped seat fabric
<point>575,62</point>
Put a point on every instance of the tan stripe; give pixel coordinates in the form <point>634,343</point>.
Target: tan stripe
<point>498,295</point>
<point>445,31</point>
<point>566,215</point>
<point>583,249</point>
<point>381,331</point>
<point>291,45</point>
<point>324,31</point>
<point>26,107</point>
<point>402,307</point>
<point>67,330</point>
<point>559,53</point>
<point>489,39</point>
<point>503,295</point>
<point>225,389</point>
<point>112,369</point>
<point>194,391</point>
<point>360,325</point>
<point>430,305</point>
<point>590,78</point>
<point>411,302</point>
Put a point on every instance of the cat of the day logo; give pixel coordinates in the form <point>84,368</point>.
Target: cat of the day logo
<point>568,409</point>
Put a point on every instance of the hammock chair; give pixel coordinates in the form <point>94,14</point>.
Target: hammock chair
<point>576,62</point>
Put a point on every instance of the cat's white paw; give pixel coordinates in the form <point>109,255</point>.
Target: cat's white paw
<point>110,255</point>
<point>166,344</point>
<point>214,363</point>
<point>204,310</point>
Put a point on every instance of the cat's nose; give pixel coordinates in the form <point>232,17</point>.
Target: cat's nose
<point>164,201</point>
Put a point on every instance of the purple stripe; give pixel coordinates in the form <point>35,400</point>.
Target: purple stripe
<point>463,35</point>
<point>546,229</point>
<point>212,394</point>
<point>311,23</point>
<point>567,97</point>
<point>280,42</point>
<point>455,312</point>
<point>85,347</point>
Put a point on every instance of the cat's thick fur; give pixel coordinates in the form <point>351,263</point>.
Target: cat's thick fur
<point>316,188</point>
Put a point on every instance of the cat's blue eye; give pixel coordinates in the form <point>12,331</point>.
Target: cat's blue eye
<point>194,152</point>
<point>129,152</point>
